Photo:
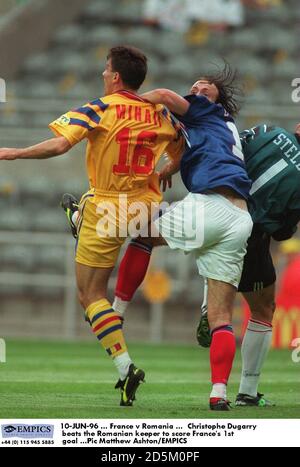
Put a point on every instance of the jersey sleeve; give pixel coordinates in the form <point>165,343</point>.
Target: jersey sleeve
<point>176,147</point>
<point>285,233</point>
<point>287,225</point>
<point>254,133</point>
<point>199,107</point>
<point>77,124</point>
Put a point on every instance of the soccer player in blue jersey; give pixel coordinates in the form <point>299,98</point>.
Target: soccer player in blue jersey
<point>214,173</point>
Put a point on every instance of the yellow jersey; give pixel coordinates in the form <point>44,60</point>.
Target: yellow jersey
<point>126,136</point>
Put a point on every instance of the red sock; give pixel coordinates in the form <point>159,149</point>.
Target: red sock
<point>132,269</point>
<point>222,353</point>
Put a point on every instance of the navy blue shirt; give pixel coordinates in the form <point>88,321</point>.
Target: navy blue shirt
<point>213,157</point>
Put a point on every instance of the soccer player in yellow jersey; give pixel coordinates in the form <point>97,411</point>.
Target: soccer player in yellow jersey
<point>126,136</point>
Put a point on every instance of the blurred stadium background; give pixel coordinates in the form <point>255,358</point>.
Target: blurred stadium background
<point>52,54</point>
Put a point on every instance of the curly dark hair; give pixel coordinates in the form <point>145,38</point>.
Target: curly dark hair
<point>230,90</point>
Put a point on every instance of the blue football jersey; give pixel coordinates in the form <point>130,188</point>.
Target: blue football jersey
<point>213,157</point>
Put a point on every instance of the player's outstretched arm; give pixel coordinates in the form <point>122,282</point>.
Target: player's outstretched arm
<point>51,148</point>
<point>175,103</point>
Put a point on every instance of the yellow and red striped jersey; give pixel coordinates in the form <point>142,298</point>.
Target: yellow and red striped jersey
<point>126,137</point>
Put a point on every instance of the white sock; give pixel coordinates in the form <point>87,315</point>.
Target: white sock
<point>219,391</point>
<point>120,305</point>
<point>255,347</point>
<point>123,363</point>
<point>75,217</point>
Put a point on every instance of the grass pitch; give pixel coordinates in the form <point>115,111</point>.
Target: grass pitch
<point>76,380</point>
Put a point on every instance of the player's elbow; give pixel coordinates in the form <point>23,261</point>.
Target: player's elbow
<point>62,145</point>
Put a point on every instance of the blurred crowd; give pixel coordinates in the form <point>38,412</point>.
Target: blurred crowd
<point>180,14</point>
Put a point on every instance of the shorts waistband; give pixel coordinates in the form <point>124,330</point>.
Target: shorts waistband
<point>232,206</point>
<point>225,202</point>
<point>116,194</point>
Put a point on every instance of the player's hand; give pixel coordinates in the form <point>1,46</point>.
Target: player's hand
<point>166,173</point>
<point>7,154</point>
<point>165,176</point>
<point>165,182</point>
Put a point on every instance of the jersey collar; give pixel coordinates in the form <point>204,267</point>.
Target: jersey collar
<point>131,95</point>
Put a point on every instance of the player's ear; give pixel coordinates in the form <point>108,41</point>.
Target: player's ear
<point>298,129</point>
<point>116,77</point>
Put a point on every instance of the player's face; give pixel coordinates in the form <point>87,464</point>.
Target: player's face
<point>204,88</point>
<point>109,77</point>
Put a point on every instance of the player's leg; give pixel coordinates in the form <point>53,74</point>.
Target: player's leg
<point>107,327</point>
<point>256,344</point>
<point>262,304</point>
<point>227,229</point>
<point>96,255</point>
<point>132,270</point>
<point>258,287</point>
<point>203,334</point>
<point>105,322</point>
<point>135,262</point>
<point>220,301</point>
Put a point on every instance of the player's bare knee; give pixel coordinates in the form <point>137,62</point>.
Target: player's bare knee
<point>216,320</point>
<point>269,311</point>
<point>264,312</point>
<point>86,299</point>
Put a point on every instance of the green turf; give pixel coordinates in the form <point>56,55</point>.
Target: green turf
<point>76,380</point>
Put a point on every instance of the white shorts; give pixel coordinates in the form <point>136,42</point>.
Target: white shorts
<point>214,229</point>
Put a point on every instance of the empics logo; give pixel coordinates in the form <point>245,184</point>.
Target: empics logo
<point>296,352</point>
<point>9,429</point>
<point>27,431</point>
<point>296,92</point>
<point>2,351</point>
<point>2,90</point>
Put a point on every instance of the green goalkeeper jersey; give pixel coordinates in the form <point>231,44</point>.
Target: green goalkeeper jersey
<point>272,157</point>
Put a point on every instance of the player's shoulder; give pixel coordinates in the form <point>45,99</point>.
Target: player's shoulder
<point>199,100</point>
<point>92,110</point>
<point>201,105</point>
<point>94,106</point>
<point>262,130</point>
<point>99,103</point>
